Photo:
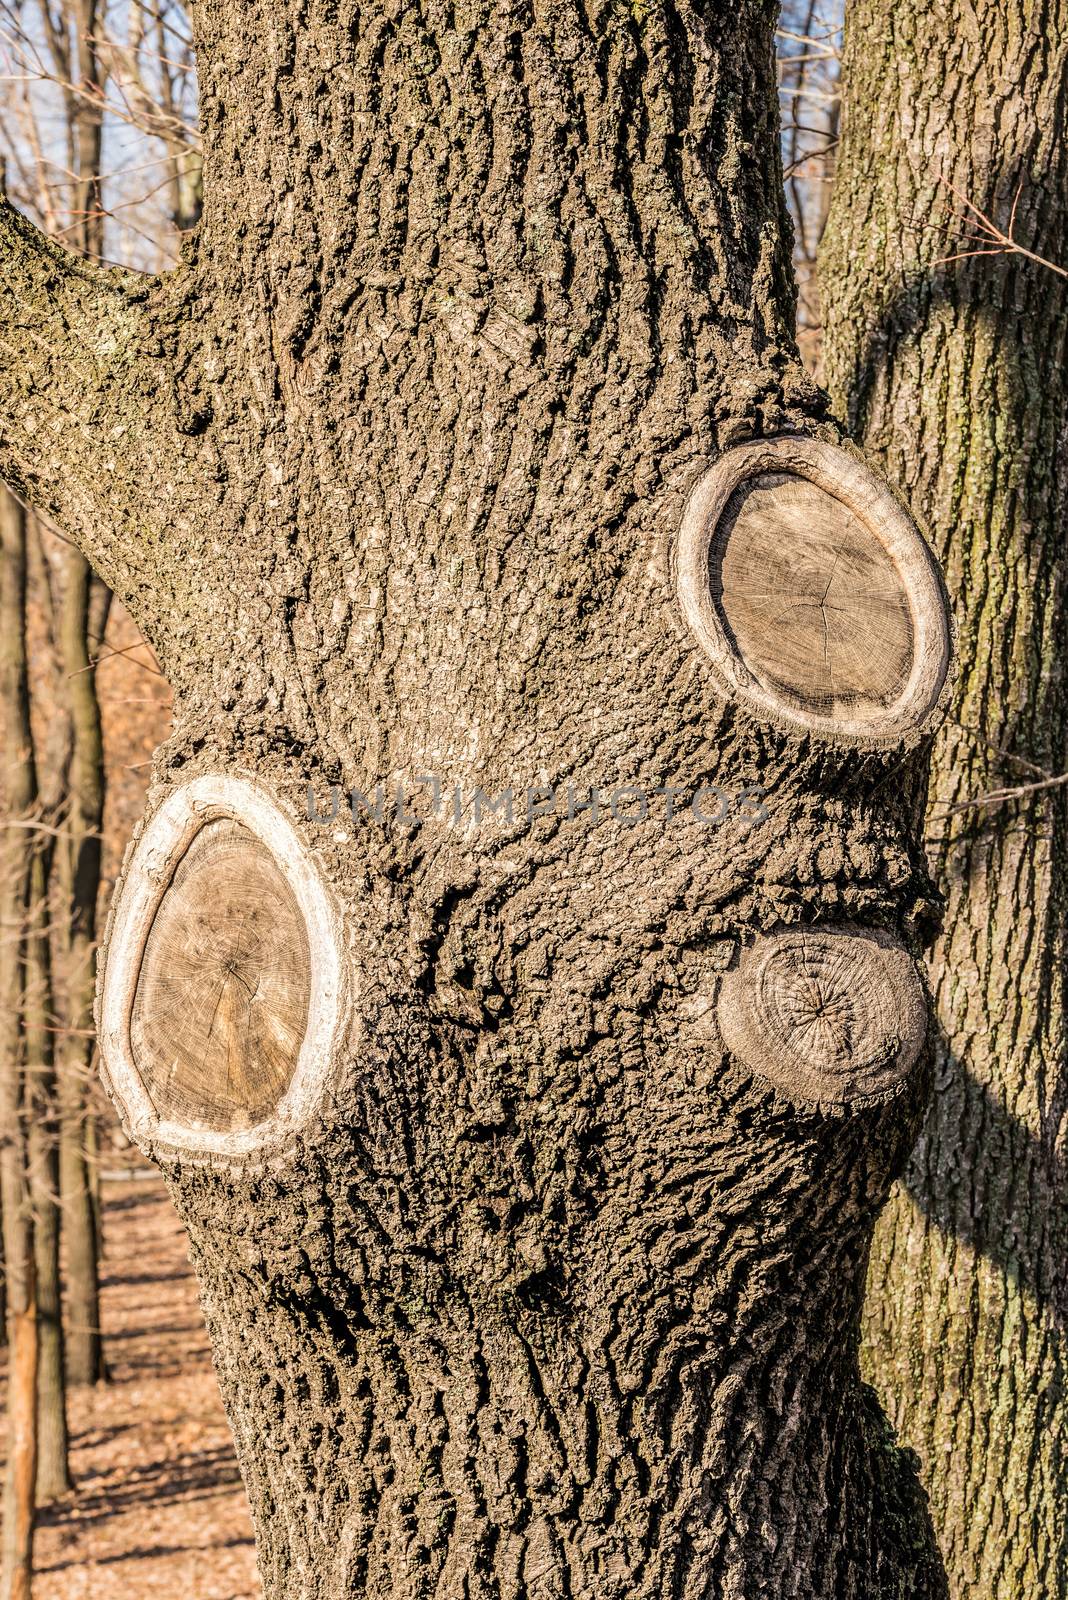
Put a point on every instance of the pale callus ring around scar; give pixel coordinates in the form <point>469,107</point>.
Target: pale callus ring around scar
<point>813,593</point>
<point>222,987</point>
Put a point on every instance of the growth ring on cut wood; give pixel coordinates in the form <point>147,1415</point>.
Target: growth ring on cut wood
<point>813,593</point>
<point>221,1002</point>
<point>831,1015</point>
<point>221,989</point>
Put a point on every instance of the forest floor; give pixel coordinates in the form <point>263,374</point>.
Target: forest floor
<point>158,1511</point>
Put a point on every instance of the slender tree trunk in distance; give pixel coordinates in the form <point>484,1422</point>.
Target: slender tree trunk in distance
<point>83,609</point>
<point>3,1278</point>
<point>186,176</point>
<point>16,1549</point>
<point>34,1009</point>
<point>42,1104</point>
<point>530,1148</point>
<point>76,858</point>
<point>16,1556</point>
<point>954,375</point>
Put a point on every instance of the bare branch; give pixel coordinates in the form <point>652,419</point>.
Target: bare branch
<point>87,409</point>
<point>1000,797</point>
<point>988,239</point>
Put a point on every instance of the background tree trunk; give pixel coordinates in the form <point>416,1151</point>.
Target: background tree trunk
<point>84,608</point>
<point>16,849</point>
<point>953,374</point>
<point>53,1473</point>
<point>16,1557</point>
<point>30,849</point>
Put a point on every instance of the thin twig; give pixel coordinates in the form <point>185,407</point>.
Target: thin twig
<point>1000,797</point>
<point>43,827</point>
<point>989,239</point>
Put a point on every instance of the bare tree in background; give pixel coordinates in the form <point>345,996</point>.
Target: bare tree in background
<point>85,82</point>
<point>151,71</point>
<point>809,52</point>
<point>20,841</point>
<point>56,109</point>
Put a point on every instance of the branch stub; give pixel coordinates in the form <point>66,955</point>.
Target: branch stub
<point>220,996</point>
<point>833,1015</point>
<point>813,593</point>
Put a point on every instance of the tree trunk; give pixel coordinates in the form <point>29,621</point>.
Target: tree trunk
<point>83,605</point>
<point>531,1113</point>
<point>16,1555</point>
<point>53,1472</point>
<point>83,611</point>
<point>20,1508</point>
<point>953,373</point>
<point>30,853</point>
<point>3,1274</point>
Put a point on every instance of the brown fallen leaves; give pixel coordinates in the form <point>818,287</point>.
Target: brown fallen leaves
<point>158,1509</point>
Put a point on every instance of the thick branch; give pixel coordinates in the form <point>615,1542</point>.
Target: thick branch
<point>91,429</point>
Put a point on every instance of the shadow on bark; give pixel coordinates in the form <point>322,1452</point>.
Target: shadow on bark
<point>1005,1197</point>
<point>1030,1166</point>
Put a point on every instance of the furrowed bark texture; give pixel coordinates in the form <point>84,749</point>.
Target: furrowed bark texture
<point>553,1295</point>
<point>953,374</point>
<point>93,427</point>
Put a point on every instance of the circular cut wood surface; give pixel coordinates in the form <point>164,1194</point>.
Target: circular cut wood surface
<point>834,1015</point>
<point>221,1004</point>
<point>811,599</point>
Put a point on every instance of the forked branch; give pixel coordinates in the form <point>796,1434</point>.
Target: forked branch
<point>986,238</point>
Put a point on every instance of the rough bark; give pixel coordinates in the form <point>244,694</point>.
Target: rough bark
<point>953,374</point>
<point>91,422</point>
<point>546,1292</point>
